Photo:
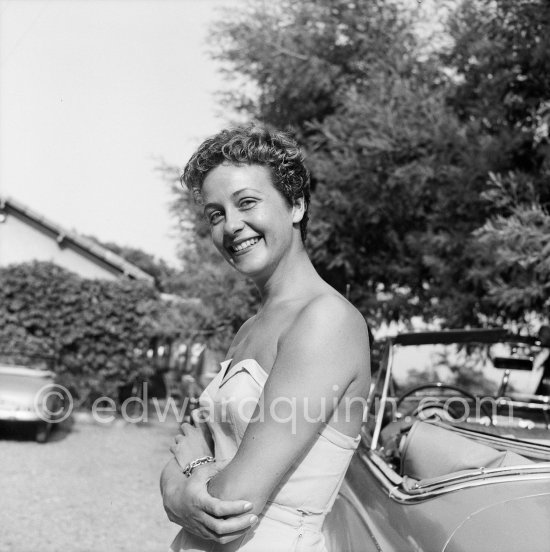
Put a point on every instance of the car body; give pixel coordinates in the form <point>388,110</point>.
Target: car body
<point>24,398</point>
<point>455,451</point>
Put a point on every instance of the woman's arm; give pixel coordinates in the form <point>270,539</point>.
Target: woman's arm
<point>188,503</point>
<point>323,352</point>
<point>186,500</point>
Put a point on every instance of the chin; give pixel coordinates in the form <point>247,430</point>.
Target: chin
<point>252,268</point>
<point>248,269</point>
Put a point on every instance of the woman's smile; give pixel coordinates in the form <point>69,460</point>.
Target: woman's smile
<point>243,246</point>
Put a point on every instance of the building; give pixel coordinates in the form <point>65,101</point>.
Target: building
<point>27,236</point>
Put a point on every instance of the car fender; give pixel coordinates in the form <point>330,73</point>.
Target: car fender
<point>520,523</point>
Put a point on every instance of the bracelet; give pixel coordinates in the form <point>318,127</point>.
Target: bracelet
<point>188,470</point>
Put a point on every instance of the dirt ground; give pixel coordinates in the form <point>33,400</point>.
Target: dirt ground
<point>91,487</point>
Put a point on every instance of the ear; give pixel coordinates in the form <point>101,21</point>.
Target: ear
<point>298,209</point>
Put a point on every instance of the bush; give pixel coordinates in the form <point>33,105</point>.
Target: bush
<point>99,331</point>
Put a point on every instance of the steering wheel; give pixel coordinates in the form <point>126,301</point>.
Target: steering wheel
<point>438,405</point>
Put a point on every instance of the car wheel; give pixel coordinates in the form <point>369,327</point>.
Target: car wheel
<point>42,432</point>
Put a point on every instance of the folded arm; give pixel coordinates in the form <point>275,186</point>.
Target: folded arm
<point>186,500</point>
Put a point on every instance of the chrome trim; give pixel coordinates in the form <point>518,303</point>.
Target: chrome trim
<point>388,356</point>
<point>480,480</point>
<point>475,478</point>
<point>379,470</point>
<point>530,397</point>
<point>366,438</point>
<point>485,473</point>
<point>383,466</point>
<point>542,406</point>
<point>370,398</point>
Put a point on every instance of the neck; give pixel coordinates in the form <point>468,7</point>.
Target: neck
<point>292,275</point>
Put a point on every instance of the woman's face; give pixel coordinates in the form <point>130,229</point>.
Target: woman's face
<point>251,223</point>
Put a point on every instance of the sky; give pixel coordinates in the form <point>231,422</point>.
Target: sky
<point>93,94</point>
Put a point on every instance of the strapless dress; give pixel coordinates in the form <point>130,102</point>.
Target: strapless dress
<point>293,517</point>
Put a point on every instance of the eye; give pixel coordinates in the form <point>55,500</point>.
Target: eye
<point>214,217</point>
<point>247,203</point>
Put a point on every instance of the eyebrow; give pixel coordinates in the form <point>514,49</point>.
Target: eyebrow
<point>232,196</point>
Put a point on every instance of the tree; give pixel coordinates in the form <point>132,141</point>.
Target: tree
<point>401,142</point>
<point>501,57</point>
<point>397,184</point>
<point>502,60</point>
<point>301,58</point>
<point>515,253</point>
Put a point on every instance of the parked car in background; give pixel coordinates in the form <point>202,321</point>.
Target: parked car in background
<point>455,453</point>
<point>24,402</point>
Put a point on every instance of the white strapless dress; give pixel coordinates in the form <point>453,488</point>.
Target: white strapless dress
<point>294,515</point>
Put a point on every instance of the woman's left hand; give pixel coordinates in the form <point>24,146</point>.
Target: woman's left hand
<point>189,445</point>
<point>188,503</point>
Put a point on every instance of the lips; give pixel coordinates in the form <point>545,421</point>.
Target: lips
<point>244,245</point>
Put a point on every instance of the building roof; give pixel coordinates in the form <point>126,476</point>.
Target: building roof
<point>9,206</point>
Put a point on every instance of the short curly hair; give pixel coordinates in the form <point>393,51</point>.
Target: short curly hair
<point>254,145</point>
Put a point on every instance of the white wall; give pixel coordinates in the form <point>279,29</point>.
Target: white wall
<point>20,242</point>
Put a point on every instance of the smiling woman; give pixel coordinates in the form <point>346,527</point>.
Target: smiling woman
<point>262,464</point>
<point>251,223</point>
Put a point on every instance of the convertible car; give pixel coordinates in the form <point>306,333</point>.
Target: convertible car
<point>455,451</point>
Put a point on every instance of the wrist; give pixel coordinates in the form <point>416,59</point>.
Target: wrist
<point>172,480</point>
<point>200,461</point>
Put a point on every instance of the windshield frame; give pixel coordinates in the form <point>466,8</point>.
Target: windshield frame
<point>383,392</point>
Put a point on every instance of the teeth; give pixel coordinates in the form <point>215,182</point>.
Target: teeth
<point>245,244</point>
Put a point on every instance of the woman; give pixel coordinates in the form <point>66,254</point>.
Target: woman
<point>284,413</point>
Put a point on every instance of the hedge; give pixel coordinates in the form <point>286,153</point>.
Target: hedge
<point>97,331</point>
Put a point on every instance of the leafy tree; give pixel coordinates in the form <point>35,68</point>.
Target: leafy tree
<point>397,200</point>
<point>302,57</point>
<point>397,180</point>
<point>401,142</point>
<point>501,54</point>
<point>514,253</point>
<point>501,57</point>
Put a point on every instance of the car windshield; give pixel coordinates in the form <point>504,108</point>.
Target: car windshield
<point>470,366</point>
<point>21,377</point>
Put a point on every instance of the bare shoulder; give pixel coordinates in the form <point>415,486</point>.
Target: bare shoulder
<point>332,327</point>
<point>332,311</point>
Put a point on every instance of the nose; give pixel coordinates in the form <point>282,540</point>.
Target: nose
<point>233,222</point>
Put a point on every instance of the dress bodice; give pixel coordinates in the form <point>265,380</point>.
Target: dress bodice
<point>228,404</point>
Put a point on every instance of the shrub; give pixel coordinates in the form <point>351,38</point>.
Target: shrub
<point>98,331</point>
